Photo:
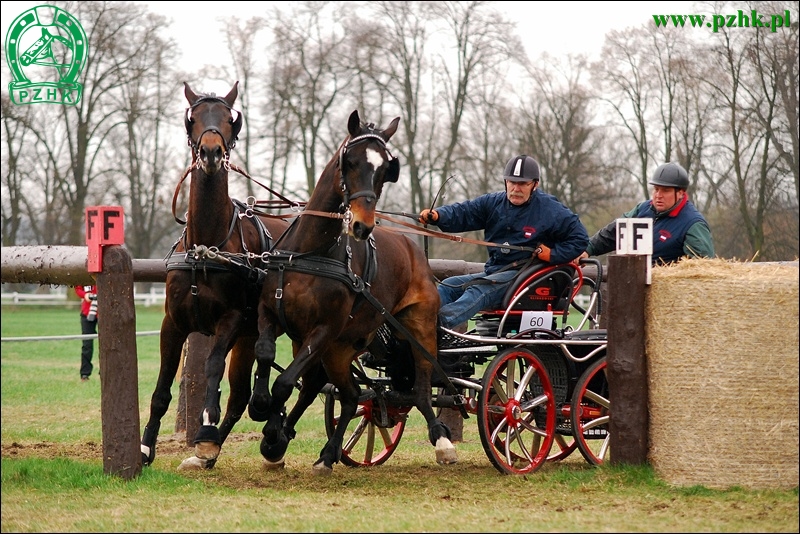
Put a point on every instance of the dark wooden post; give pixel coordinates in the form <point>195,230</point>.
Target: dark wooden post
<point>180,415</point>
<point>627,364</point>
<point>193,381</point>
<point>119,371</point>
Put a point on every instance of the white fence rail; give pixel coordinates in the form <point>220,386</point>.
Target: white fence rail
<point>156,296</point>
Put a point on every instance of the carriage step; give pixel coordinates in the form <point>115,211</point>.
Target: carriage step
<point>446,340</point>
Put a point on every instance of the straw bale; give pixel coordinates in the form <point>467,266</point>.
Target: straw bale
<point>722,350</point>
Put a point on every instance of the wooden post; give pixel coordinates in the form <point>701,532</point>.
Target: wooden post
<point>119,372</point>
<point>193,381</point>
<point>626,364</point>
<point>180,415</point>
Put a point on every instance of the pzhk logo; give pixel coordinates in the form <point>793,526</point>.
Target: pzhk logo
<point>46,49</point>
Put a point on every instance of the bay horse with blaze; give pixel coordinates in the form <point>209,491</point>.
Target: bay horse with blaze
<point>334,276</point>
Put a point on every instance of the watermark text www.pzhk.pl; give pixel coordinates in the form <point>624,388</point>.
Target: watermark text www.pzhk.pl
<point>739,20</point>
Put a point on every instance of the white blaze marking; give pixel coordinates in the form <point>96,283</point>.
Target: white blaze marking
<point>374,157</point>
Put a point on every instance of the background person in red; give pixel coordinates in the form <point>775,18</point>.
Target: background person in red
<point>88,296</point>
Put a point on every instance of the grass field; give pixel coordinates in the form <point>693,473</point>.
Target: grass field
<point>52,470</point>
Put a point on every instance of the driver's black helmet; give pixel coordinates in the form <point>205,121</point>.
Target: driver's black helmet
<point>671,175</point>
<point>522,169</point>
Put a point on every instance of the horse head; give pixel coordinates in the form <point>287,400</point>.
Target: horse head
<point>211,127</point>
<point>365,164</point>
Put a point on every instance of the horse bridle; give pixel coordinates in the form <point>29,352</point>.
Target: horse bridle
<point>342,151</point>
<point>236,125</point>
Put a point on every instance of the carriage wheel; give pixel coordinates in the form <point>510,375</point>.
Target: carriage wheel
<point>562,447</point>
<point>367,440</point>
<point>516,412</point>
<point>591,411</point>
<point>366,443</point>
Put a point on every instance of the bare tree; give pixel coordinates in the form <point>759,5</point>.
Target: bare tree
<point>556,128</point>
<point>736,87</point>
<point>241,40</point>
<point>307,76</point>
<point>624,84</point>
<point>13,175</point>
<point>775,58</point>
<point>145,137</point>
<point>394,70</point>
<point>484,43</point>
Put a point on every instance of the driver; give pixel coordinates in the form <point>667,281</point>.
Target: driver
<point>522,216</point>
<point>679,230</point>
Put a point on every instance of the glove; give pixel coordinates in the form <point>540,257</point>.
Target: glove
<point>543,253</point>
<point>428,216</point>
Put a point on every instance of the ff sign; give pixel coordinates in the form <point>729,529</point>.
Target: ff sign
<point>104,226</point>
<point>635,237</point>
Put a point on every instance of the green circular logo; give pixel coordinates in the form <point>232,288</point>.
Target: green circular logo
<point>46,50</point>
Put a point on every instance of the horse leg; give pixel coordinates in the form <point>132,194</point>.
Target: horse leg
<point>260,400</point>
<point>239,368</point>
<point>438,433</point>
<point>242,357</point>
<point>171,347</point>
<point>276,440</point>
<point>312,384</point>
<point>349,392</point>
<point>207,441</point>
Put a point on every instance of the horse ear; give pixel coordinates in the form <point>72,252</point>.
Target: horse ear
<point>191,96</point>
<point>391,129</point>
<point>393,172</point>
<point>230,98</point>
<point>354,124</point>
<point>237,126</point>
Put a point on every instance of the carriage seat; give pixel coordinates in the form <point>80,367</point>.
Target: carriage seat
<point>539,287</point>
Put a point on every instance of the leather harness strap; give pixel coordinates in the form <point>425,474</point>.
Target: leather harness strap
<point>339,270</point>
<point>191,260</point>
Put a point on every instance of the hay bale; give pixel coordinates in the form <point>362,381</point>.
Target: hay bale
<point>722,350</point>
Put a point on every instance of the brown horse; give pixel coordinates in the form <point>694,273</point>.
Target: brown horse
<point>202,295</point>
<point>334,277</point>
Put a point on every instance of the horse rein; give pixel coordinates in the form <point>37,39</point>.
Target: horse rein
<point>412,229</point>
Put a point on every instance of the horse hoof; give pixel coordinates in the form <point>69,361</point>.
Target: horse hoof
<point>148,455</point>
<point>273,466</point>
<point>256,414</point>
<point>320,469</point>
<point>274,451</point>
<point>445,452</point>
<point>206,450</point>
<point>193,464</point>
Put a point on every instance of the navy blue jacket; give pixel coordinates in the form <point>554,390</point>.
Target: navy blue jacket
<point>541,220</point>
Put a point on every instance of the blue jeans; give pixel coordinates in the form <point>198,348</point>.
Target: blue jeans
<point>460,304</point>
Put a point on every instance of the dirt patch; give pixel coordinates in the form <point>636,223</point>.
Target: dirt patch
<point>170,444</point>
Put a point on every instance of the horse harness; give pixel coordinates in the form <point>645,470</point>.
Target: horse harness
<point>197,256</point>
<point>313,263</point>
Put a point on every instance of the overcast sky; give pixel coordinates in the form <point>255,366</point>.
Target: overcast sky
<point>555,27</point>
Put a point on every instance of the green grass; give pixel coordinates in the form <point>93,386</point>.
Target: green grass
<point>52,470</point>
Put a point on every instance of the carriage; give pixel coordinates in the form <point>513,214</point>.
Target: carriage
<point>536,384</point>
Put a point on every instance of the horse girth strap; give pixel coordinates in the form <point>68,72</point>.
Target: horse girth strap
<point>190,263</point>
<point>320,266</point>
